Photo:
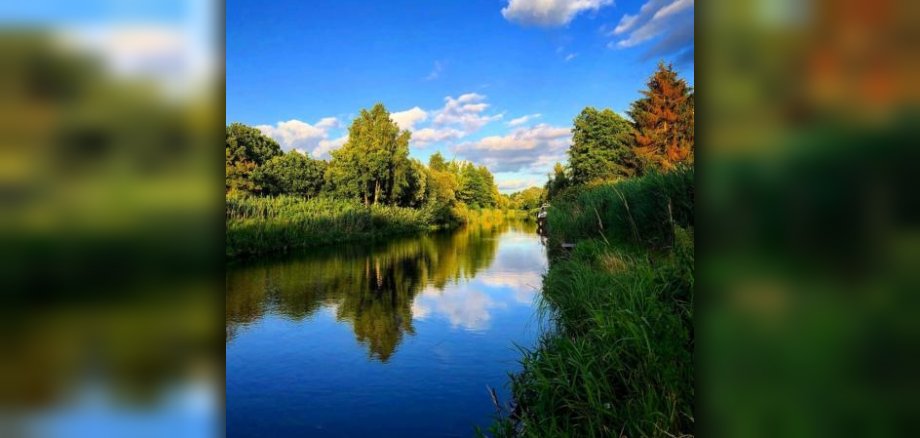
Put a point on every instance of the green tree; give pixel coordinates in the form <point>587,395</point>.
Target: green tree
<point>477,186</point>
<point>528,199</point>
<point>292,173</point>
<point>436,162</point>
<point>558,181</point>
<point>373,165</point>
<point>246,149</point>
<point>601,147</point>
<point>663,121</point>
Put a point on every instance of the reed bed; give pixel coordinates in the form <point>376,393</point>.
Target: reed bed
<point>262,224</point>
<point>617,358</point>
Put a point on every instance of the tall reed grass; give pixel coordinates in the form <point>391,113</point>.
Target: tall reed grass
<point>642,211</point>
<point>263,224</point>
<point>617,359</point>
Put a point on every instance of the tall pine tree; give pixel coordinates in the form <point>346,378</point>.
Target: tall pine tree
<point>663,121</point>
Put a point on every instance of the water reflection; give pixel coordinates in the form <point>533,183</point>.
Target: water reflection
<point>380,290</point>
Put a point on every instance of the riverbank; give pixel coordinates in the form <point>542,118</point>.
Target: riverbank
<point>618,358</point>
<point>259,225</point>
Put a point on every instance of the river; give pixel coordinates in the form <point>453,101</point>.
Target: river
<point>398,338</point>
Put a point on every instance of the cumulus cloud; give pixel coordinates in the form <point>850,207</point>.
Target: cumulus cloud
<point>466,112</point>
<point>669,23</point>
<point>408,118</point>
<point>523,119</point>
<point>298,135</point>
<point>549,13</point>
<point>458,118</point>
<point>532,149</point>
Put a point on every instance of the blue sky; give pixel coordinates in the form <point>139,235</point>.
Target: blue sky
<point>494,82</point>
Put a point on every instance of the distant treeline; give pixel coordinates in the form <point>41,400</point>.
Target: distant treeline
<point>373,167</point>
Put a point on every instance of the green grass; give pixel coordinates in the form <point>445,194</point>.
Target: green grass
<point>642,211</point>
<point>617,356</point>
<point>258,225</point>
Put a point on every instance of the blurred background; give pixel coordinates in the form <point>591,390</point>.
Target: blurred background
<point>111,230</point>
<point>808,243</point>
<point>111,218</point>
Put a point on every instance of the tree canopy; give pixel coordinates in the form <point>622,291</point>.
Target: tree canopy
<point>663,120</point>
<point>601,147</point>
<point>373,164</point>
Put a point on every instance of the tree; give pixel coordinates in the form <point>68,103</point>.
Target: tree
<point>292,173</point>
<point>374,163</point>
<point>246,149</point>
<point>601,147</point>
<point>251,144</point>
<point>436,162</point>
<point>557,182</point>
<point>528,199</point>
<point>663,121</point>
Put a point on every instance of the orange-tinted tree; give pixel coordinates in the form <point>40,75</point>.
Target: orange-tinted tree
<point>663,121</point>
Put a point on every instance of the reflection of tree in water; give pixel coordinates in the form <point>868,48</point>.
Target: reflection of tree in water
<point>371,288</point>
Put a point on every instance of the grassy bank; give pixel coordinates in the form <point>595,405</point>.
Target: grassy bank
<point>260,225</point>
<point>617,359</point>
<point>257,225</point>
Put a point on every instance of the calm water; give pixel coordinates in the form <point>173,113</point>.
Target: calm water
<point>395,339</point>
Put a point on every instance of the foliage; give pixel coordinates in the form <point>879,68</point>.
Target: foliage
<point>246,149</point>
<point>477,186</point>
<point>558,181</point>
<point>639,211</point>
<point>663,121</point>
<point>373,164</point>
<point>527,199</point>
<point>291,174</point>
<point>601,147</point>
<point>618,361</point>
<point>261,224</point>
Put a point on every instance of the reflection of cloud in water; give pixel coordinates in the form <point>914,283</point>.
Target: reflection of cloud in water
<point>463,306</point>
<point>523,285</point>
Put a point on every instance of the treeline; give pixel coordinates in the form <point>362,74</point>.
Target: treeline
<point>373,167</point>
<point>606,147</point>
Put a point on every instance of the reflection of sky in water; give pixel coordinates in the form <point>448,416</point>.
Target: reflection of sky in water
<point>513,279</point>
<point>318,342</point>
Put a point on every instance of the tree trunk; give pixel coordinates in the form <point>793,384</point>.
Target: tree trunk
<point>376,191</point>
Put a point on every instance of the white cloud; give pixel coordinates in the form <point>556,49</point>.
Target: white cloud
<point>523,119</point>
<point>298,135</point>
<point>570,57</point>
<point>465,112</point>
<point>408,118</point>
<point>549,13</point>
<point>670,22</point>
<point>424,137</point>
<point>326,146</point>
<point>516,184</point>
<point>458,118</point>
<point>532,149</point>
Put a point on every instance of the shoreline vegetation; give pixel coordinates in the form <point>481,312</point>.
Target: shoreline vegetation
<point>369,189</point>
<point>617,356</point>
<point>260,225</point>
